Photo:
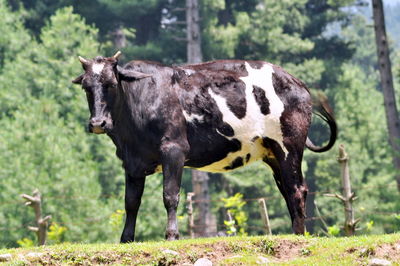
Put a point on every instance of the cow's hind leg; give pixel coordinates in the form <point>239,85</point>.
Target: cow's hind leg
<point>133,194</point>
<point>173,158</point>
<point>290,181</point>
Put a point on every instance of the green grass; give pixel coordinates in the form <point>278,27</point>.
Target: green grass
<point>276,250</point>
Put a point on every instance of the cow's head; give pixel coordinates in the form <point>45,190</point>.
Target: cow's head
<point>101,83</point>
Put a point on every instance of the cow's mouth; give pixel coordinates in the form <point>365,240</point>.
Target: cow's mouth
<point>97,130</point>
<point>100,125</point>
<point>100,129</point>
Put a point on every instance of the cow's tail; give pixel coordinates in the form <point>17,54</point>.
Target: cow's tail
<point>322,108</point>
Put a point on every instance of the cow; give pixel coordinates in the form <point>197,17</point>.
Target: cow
<point>214,116</point>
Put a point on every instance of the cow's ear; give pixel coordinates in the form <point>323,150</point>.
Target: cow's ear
<point>78,80</point>
<point>131,74</point>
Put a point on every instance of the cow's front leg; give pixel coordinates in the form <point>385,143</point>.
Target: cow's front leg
<point>173,159</point>
<point>133,194</point>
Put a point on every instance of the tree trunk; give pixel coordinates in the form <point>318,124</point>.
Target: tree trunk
<point>193,36</point>
<point>119,37</point>
<point>392,116</point>
<point>204,222</point>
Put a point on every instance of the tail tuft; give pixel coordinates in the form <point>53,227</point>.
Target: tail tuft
<point>323,110</point>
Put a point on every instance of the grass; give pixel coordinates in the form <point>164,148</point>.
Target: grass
<point>274,250</point>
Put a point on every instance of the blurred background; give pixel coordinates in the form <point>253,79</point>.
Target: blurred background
<point>44,144</point>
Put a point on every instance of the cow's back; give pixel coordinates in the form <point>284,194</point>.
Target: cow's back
<point>233,107</point>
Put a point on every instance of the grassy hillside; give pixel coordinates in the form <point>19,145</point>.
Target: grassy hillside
<point>285,250</point>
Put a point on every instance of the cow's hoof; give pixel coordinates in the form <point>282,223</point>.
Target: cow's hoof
<point>126,240</point>
<point>171,236</point>
<point>298,227</point>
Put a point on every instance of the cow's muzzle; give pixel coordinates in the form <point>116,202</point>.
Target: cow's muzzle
<point>99,125</point>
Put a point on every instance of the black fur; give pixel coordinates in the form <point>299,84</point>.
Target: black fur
<point>262,101</point>
<point>238,162</point>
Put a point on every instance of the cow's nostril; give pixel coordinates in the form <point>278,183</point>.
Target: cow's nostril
<point>103,124</point>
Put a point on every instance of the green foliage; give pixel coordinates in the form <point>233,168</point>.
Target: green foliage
<point>116,219</point>
<point>234,206</point>
<point>369,225</point>
<point>13,36</point>
<point>25,243</point>
<point>230,227</point>
<point>268,246</point>
<point>124,8</point>
<point>56,233</point>
<point>43,136</point>
<point>334,230</point>
<point>37,157</point>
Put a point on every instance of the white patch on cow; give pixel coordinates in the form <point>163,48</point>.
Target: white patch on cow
<point>97,68</point>
<point>191,118</point>
<point>270,123</point>
<point>254,124</point>
<point>189,72</point>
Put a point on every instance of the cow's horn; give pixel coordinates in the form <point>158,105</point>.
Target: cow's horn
<point>117,54</point>
<point>83,60</point>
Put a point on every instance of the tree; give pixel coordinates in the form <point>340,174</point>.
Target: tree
<point>13,35</point>
<point>43,136</point>
<point>385,69</point>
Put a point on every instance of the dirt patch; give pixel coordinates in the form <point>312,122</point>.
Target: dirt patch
<point>388,251</point>
<point>287,250</point>
<point>214,252</point>
<point>276,250</point>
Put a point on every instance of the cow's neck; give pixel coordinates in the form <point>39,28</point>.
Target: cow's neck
<point>127,109</point>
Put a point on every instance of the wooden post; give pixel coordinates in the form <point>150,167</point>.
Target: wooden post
<point>190,213</point>
<point>35,202</point>
<point>264,216</point>
<point>348,197</point>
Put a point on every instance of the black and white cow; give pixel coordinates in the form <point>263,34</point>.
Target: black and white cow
<point>214,116</point>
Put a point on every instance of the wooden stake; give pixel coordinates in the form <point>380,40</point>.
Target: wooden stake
<point>264,216</point>
<point>41,223</point>
<point>348,197</point>
<point>190,213</point>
